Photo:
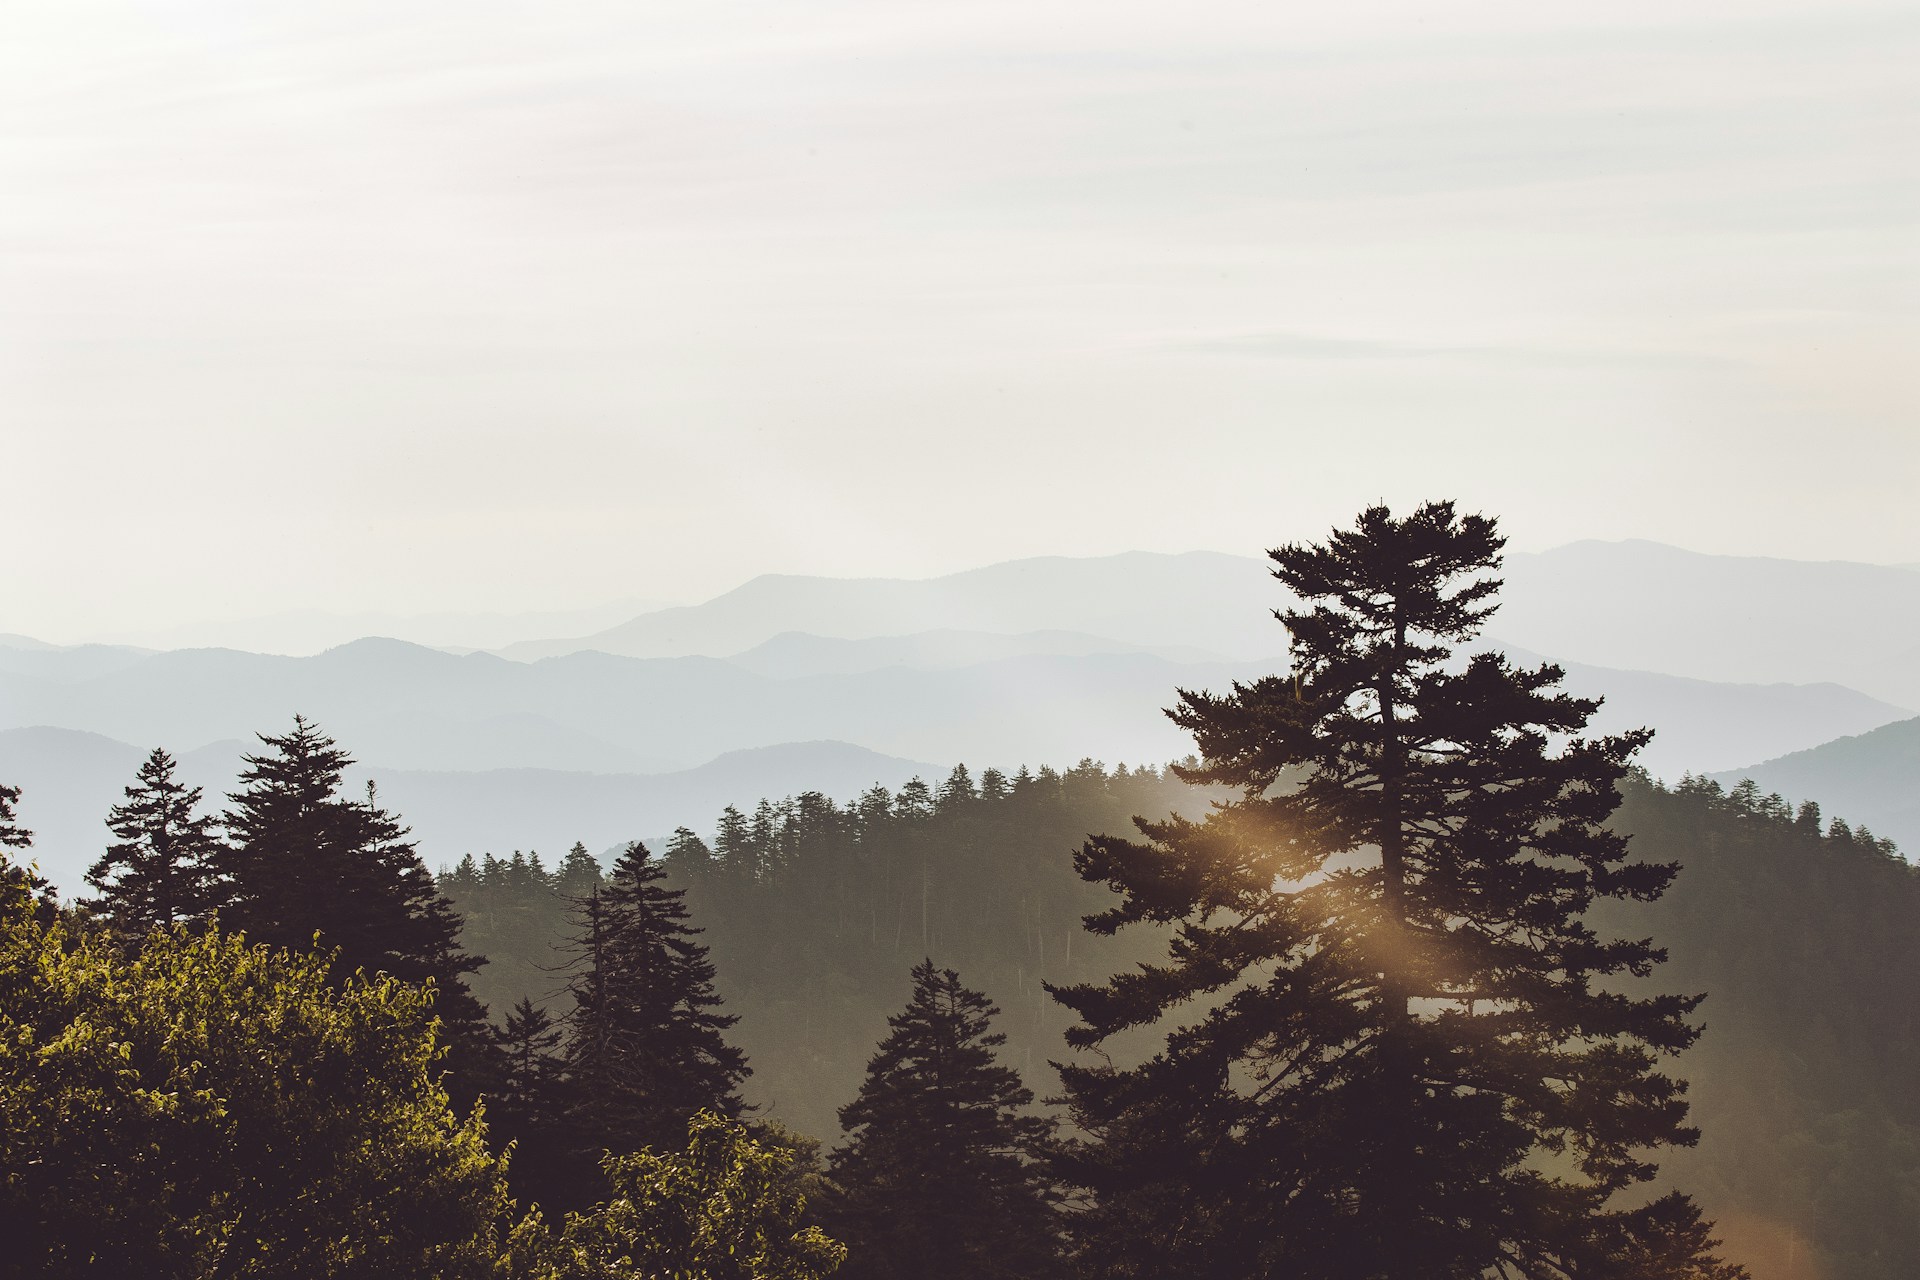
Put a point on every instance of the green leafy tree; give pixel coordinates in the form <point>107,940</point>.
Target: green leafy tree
<point>940,1175</point>
<point>727,1208</point>
<point>646,1046</point>
<point>213,1108</point>
<point>1389,1043</point>
<point>306,860</point>
<point>161,870</point>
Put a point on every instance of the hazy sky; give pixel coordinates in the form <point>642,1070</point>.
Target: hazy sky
<point>477,305</point>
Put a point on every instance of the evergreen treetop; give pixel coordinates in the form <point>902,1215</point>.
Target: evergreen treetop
<point>1387,1046</point>
<point>646,1048</point>
<point>12,834</point>
<point>161,870</point>
<point>940,1174</point>
<point>15,836</point>
<point>307,862</point>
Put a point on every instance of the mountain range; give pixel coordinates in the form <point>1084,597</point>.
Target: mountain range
<point>1868,778</point>
<point>1733,660</point>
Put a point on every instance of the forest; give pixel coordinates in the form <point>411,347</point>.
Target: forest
<point>1398,975</point>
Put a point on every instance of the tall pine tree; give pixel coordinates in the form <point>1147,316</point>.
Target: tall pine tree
<point>646,1047</point>
<point>1389,1046</point>
<point>161,870</point>
<point>940,1175</point>
<point>307,860</point>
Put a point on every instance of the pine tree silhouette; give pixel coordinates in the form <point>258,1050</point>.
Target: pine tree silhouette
<point>306,866</point>
<point>939,1176</point>
<point>529,1106</point>
<point>645,1048</point>
<point>162,868</point>
<point>15,836</point>
<point>1387,1046</point>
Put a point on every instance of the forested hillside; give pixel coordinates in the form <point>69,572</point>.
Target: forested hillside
<point>816,913</point>
<point>1806,939</point>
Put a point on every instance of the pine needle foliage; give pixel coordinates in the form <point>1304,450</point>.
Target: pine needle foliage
<point>161,870</point>
<point>309,865</point>
<point>646,1048</point>
<point>15,836</point>
<point>1385,1043</point>
<point>940,1177</point>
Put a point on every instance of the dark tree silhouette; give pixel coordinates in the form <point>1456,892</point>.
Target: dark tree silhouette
<point>15,836</point>
<point>940,1174</point>
<point>529,1107</point>
<point>162,868</point>
<point>528,1041</point>
<point>646,1049</point>
<point>305,861</point>
<point>12,834</point>
<point>1387,1046</point>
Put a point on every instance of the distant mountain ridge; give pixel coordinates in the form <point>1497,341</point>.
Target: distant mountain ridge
<point>1142,598</point>
<point>1871,778</point>
<point>1631,605</point>
<point>70,779</point>
<point>1649,607</point>
<point>402,706</point>
<point>1730,659</point>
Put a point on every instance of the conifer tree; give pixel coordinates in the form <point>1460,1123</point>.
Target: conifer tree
<point>733,844</point>
<point>305,860</point>
<point>957,791</point>
<point>15,836</point>
<point>939,1176</point>
<point>528,1107</point>
<point>162,868</point>
<point>12,834</point>
<point>687,855</point>
<point>646,1048</point>
<point>578,874</point>
<point>1389,1045</point>
<point>528,1040</point>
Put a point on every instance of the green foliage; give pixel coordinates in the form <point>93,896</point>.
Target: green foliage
<point>162,868</point>
<point>726,1208</point>
<point>207,1107</point>
<point>940,1176</point>
<point>1383,1043</point>
<point>308,863</point>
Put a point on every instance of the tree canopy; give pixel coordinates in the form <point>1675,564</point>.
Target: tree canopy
<point>210,1107</point>
<point>1385,1043</point>
<point>941,1175</point>
<point>307,862</point>
<point>646,1048</point>
<point>162,868</point>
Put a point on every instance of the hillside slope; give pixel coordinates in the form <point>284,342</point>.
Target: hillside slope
<point>1873,778</point>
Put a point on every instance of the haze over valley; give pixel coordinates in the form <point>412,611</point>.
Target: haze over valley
<point>790,683</point>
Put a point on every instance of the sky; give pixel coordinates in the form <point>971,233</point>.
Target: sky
<point>423,307</point>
